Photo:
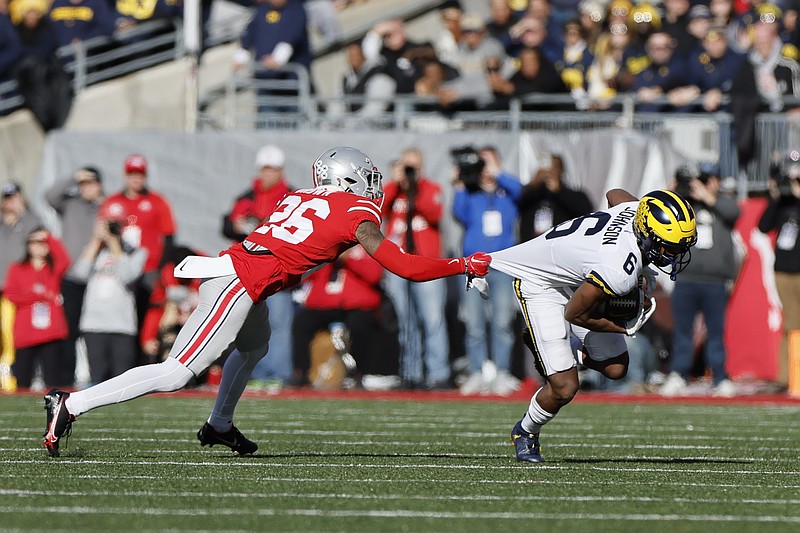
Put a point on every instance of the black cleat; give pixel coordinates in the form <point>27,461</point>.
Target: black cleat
<point>233,439</point>
<point>59,420</point>
<point>526,444</point>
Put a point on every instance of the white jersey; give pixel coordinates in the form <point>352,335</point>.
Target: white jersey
<point>599,247</point>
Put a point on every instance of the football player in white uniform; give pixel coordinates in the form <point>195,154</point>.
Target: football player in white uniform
<point>562,277</point>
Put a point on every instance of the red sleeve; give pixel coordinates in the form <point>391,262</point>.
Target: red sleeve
<point>18,287</point>
<point>60,255</point>
<point>167,221</point>
<point>241,208</point>
<point>416,267</point>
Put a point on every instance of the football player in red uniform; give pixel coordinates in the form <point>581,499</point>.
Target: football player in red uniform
<point>309,227</point>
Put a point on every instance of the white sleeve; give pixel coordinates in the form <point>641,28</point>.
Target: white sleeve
<point>282,53</point>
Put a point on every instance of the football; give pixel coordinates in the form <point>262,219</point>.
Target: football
<point>620,308</point>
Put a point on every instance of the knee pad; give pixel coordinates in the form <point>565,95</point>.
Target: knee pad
<point>177,375</point>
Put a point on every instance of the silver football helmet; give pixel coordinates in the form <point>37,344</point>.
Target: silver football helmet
<point>350,169</point>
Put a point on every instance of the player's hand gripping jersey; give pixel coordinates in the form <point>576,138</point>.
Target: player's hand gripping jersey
<point>599,247</point>
<point>309,227</point>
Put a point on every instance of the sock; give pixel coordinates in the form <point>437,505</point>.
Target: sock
<point>536,417</point>
<point>168,376</point>
<point>235,375</point>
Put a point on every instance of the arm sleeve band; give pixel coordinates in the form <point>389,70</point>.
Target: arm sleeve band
<point>415,267</point>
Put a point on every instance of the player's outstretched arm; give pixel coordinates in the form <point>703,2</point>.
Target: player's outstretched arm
<point>619,196</point>
<point>416,267</point>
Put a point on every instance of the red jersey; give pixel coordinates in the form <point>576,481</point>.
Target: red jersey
<point>309,227</point>
<point>36,294</point>
<point>148,219</point>
<point>349,283</point>
<point>428,209</point>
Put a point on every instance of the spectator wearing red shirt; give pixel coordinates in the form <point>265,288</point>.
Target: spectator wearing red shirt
<point>412,208</point>
<point>346,291</point>
<point>149,225</point>
<point>249,210</point>
<point>269,188</point>
<point>33,285</point>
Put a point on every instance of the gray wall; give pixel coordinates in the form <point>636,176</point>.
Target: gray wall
<point>201,174</point>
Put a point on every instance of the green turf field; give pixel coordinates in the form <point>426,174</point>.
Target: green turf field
<point>372,465</point>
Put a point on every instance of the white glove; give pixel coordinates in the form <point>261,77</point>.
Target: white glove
<point>479,283</point>
<point>633,325</point>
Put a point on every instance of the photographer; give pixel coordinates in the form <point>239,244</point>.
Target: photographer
<point>547,201</point>
<point>109,267</point>
<point>412,209</point>
<point>706,283</point>
<point>783,216</point>
<point>485,203</point>
<point>76,200</point>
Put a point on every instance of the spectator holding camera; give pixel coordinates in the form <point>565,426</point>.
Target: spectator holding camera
<point>76,200</point>
<point>109,267</point>
<point>412,209</point>
<point>547,200</point>
<point>705,285</point>
<point>783,216</point>
<point>485,203</point>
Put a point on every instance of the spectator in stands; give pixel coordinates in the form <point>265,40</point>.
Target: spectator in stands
<point>664,73</point>
<point>541,10</point>
<point>531,32</point>
<point>501,20</point>
<point>547,201</point>
<point>109,267</point>
<point>450,34</point>
<point>40,74</point>
<point>412,210</point>
<point>268,189</point>
<point>346,291</point>
<point>592,15</point>
<point>704,286</point>
<point>33,286</point>
<point>699,22</point>
<point>433,82</point>
<point>472,87</point>
<point>34,28</point>
<point>324,19</point>
<point>782,216</point>
<point>149,225</point>
<point>485,203</point>
<point>536,74</point>
<point>366,80</point>
<point>604,72</point>
<point>81,20</point>
<point>710,71</point>
<point>771,72</point>
<point>575,62</point>
<point>676,23</point>
<point>11,50</point>
<point>76,201</point>
<point>404,59</point>
<point>275,37</point>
